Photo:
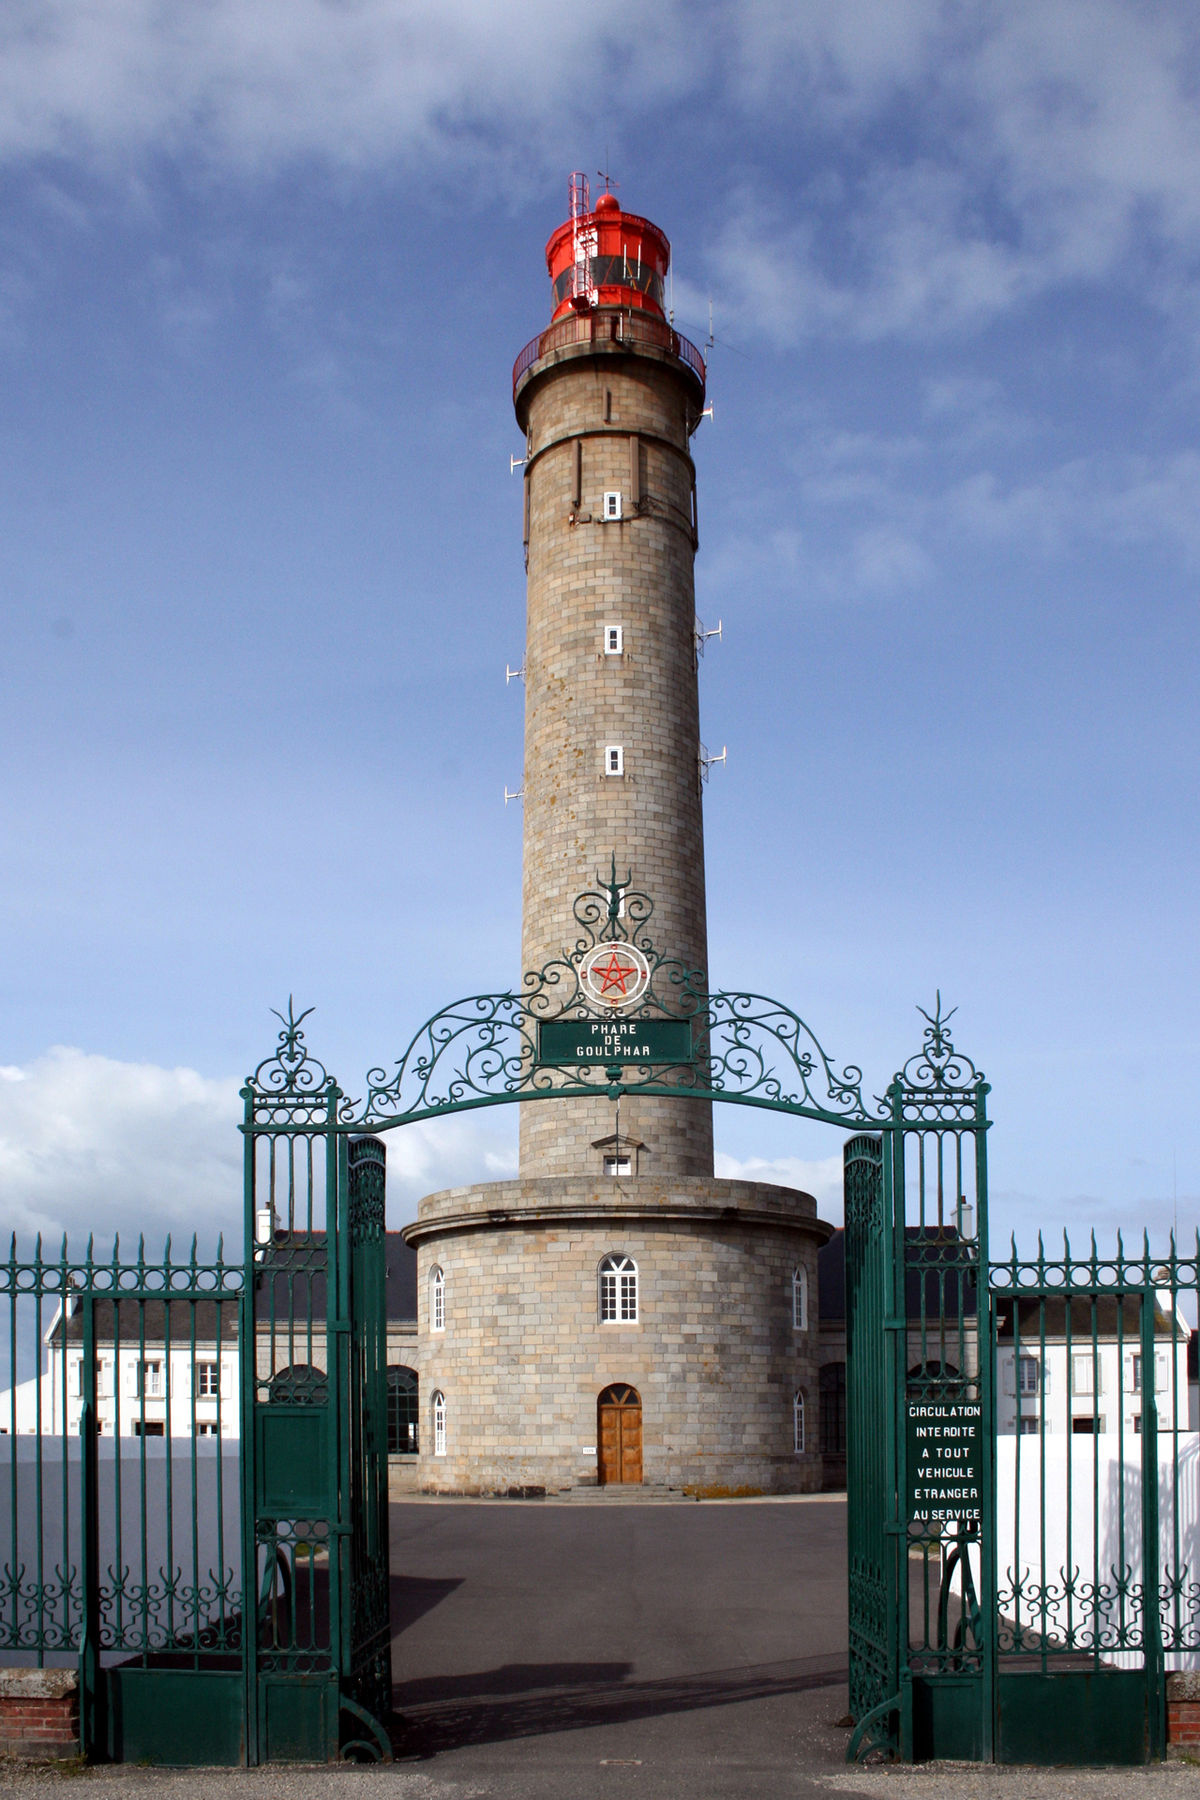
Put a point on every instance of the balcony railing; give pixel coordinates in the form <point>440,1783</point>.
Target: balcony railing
<point>608,326</point>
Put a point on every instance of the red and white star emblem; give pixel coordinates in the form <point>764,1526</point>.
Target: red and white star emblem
<point>614,975</point>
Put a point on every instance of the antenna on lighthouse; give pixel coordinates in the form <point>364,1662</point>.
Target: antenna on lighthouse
<point>584,242</point>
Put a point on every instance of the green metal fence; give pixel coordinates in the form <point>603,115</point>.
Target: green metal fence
<point>1097,1498</point>
<point>1023,1459</point>
<point>119,1462</point>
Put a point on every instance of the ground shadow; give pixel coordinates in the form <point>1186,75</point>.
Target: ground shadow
<point>536,1699</point>
<point>410,1597</point>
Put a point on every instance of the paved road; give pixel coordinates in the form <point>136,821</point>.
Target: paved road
<point>570,1652</point>
<point>656,1650</point>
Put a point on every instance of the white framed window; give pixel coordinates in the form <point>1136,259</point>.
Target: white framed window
<point>1162,1375</point>
<point>149,1378</point>
<point>1085,1374</point>
<point>612,506</point>
<point>203,1430</point>
<point>618,1165</point>
<point>438,1407</point>
<point>614,759</point>
<point>208,1380</point>
<point>1029,1375</point>
<point>1027,1425</point>
<point>799,1299</point>
<point>614,640</point>
<point>798,1422</point>
<point>437,1299</point>
<point>618,1291</point>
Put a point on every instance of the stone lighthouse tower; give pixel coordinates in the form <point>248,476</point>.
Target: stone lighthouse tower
<point>615,1314</point>
<point>608,398</point>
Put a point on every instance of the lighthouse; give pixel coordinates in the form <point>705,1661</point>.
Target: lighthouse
<point>615,1315</point>
<point>608,397</point>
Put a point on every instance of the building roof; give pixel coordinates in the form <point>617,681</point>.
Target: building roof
<point>302,1254</point>
<point>941,1246</point>
<point>125,1324</point>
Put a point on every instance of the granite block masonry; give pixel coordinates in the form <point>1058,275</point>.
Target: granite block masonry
<point>710,1360</point>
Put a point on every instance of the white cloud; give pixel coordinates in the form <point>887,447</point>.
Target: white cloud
<point>365,83</point>
<point>822,1178</point>
<point>90,1144</point>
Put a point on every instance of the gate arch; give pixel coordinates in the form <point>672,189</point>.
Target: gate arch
<point>550,1040</point>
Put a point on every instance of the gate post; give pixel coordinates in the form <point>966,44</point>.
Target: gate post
<point>937,1510</point>
<point>1152,1642</point>
<point>89,1544</point>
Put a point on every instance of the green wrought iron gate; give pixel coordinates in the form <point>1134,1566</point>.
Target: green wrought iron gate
<point>918,1404</point>
<point>1023,1460</point>
<point>318,1669</point>
<point>871,1551</point>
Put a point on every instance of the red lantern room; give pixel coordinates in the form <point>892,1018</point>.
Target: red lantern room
<point>606,257</point>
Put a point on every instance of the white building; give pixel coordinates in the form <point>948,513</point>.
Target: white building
<point>1078,1366</point>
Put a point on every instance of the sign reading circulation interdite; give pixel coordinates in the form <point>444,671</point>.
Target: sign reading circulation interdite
<point>944,1460</point>
<point>569,1042</point>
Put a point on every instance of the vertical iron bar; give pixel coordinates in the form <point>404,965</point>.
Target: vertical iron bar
<point>1156,1699</point>
<point>89,1542</point>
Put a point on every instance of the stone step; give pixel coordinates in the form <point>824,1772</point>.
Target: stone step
<point>621,1494</point>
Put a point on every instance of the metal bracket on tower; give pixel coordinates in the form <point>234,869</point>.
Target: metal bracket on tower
<point>707,760</point>
<point>519,795</point>
<point>518,462</point>
<point>514,674</point>
<point>702,636</point>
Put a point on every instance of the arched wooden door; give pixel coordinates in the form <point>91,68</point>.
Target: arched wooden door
<point>620,1435</point>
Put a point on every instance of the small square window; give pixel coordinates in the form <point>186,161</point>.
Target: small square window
<point>618,1165</point>
<point>614,640</point>
<point>614,759</point>
<point>612,506</point>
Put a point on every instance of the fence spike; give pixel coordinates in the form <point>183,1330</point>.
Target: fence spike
<point>221,1247</point>
<point>193,1249</point>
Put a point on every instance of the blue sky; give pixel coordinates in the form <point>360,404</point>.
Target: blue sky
<point>264,269</point>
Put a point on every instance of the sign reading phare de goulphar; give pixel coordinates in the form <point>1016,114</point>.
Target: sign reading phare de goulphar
<point>570,1042</point>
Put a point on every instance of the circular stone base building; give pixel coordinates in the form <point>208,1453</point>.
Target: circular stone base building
<point>582,1331</point>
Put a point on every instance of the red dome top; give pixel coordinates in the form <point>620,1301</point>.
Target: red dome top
<point>608,257</point>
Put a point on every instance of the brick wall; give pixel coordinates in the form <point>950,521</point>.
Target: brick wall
<point>39,1713</point>
<point>1183,1710</point>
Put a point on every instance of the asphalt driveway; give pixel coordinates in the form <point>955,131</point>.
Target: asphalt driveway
<point>662,1650</point>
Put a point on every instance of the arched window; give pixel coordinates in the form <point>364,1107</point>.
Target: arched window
<point>438,1405</point>
<point>403,1410</point>
<point>798,1422</point>
<point>799,1299</point>
<point>618,1291</point>
<point>437,1299</point>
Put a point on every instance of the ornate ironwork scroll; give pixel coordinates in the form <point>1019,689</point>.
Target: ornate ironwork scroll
<point>483,1050</point>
